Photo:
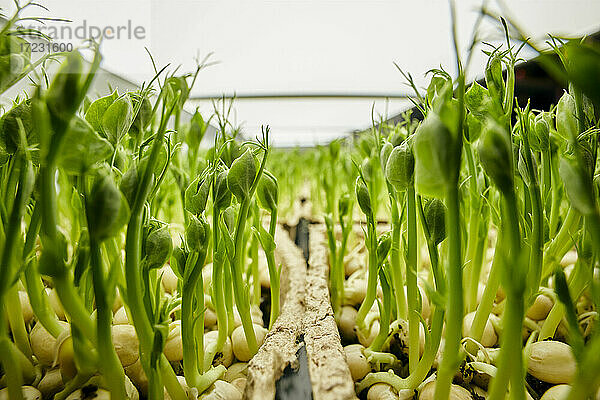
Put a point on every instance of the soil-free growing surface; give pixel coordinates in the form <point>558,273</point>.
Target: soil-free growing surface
<point>329,372</point>
<point>281,345</point>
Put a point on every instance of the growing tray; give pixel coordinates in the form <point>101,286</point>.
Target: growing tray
<point>329,372</point>
<point>279,352</point>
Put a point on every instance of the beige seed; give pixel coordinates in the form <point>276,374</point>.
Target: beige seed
<point>488,338</point>
<point>540,308</point>
<point>43,343</point>
<point>346,323</point>
<point>25,306</point>
<point>221,390</point>
<point>169,279</point>
<point>551,361</point>
<point>29,393</point>
<point>174,346</point>
<point>558,392</point>
<point>240,346</point>
<point>120,317</point>
<point>456,392</point>
<point>382,391</point>
<point>236,370</point>
<point>126,344</point>
<point>51,383</point>
<point>357,362</point>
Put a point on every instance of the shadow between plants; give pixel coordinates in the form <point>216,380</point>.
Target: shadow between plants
<point>295,384</point>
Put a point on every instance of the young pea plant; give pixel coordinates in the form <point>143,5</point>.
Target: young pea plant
<point>385,307</point>
<point>433,222</point>
<point>399,172</point>
<point>267,194</point>
<point>363,198</point>
<point>107,211</point>
<point>243,178</point>
<point>337,269</point>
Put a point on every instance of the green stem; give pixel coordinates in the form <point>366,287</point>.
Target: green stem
<point>217,295</point>
<point>10,360</point>
<point>562,242</point>
<point>16,322</point>
<point>510,367</point>
<point>254,259</point>
<point>454,310</point>
<point>412,290</point>
<point>556,198</point>
<point>228,293</point>
<point>334,271</point>
<point>487,299</point>
<point>371,278</point>
<point>239,290</point>
<point>109,363</point>
<point>510,364</point>
<point>472,271</point>
<point>546,175</point>
<point>385,315</point>
<point>67,294</point>
<point>273,273</point>
<point>35,288</point>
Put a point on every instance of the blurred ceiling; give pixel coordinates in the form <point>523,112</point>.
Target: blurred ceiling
<point>331,60</point>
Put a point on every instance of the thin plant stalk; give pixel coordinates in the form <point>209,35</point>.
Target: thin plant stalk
<point>412,290</point>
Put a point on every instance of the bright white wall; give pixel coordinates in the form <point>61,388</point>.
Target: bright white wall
<point>307,46</point>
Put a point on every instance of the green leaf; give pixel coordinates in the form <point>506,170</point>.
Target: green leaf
<point>400,167</point>
<point>264,237</point>
<point>435,86</point>
<point>344,205</point>
<point>221,193</point>
<point>197,233</point>
<point>107,209</point>
<point>384,154</point>
<point>435,218</point>
<point>522,168</point>
<point>267,192</point>
<point>196,195</point>
<point>495,150</point>
<point>86,148</point>
<point>227,240</point>
<point>117,119</point>
<point>96,111</point>
<point>15,56</point>
<point>196,130</point>
<point>566,120</point>
<point>384,244</point>
<point>144,115</point>
<point>10,125</point>
<point>433,144</point>
<point>477,100</point>
<point>363,197</point>
<point>474,128</point>
<point>241,175</point>
<point>178,260</point>
<point>579,190</point>
<point>64,94</point>
<point>158,247</point>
